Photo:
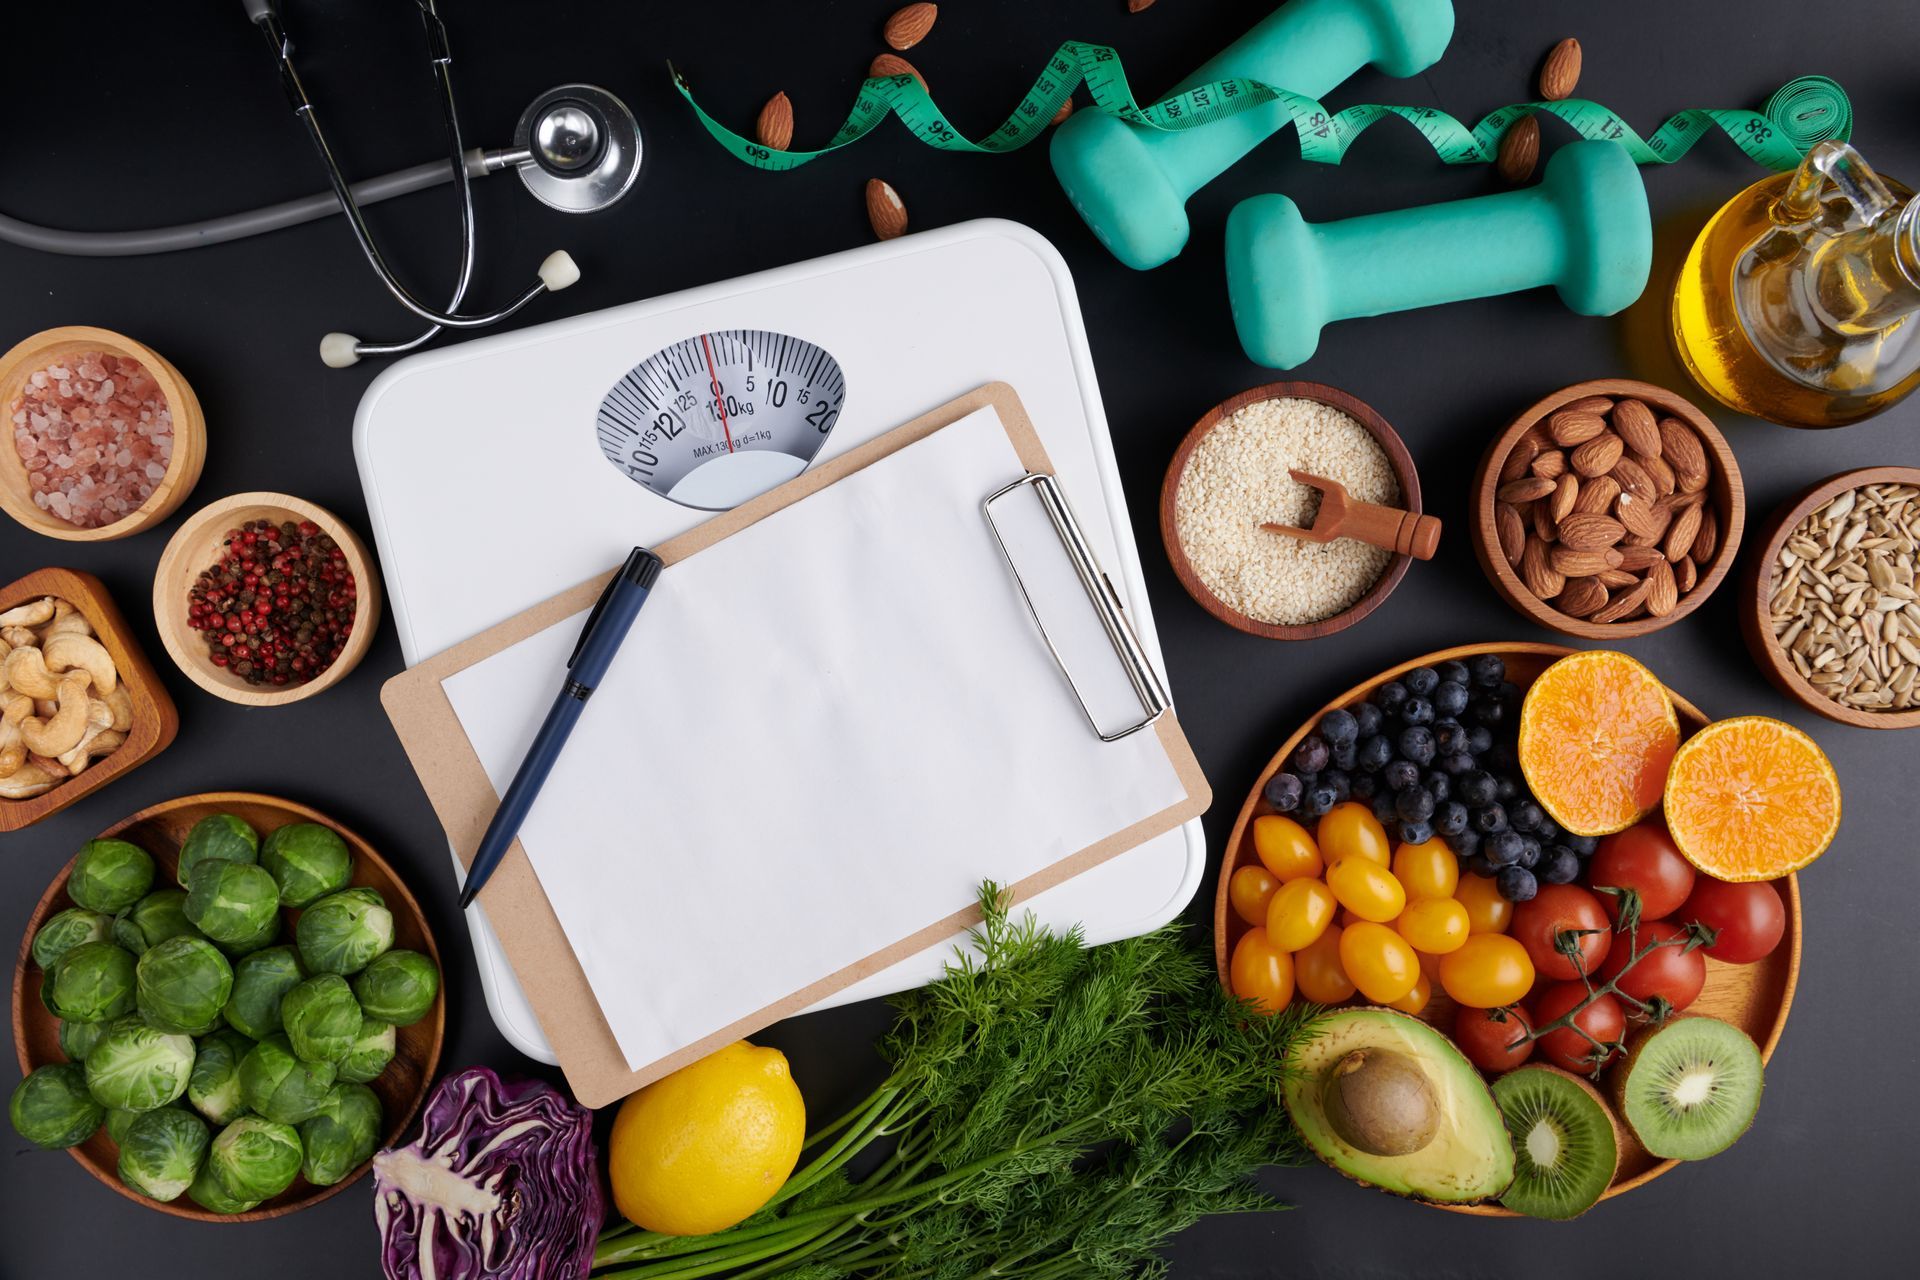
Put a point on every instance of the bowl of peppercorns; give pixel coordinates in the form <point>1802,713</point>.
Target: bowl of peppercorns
<point>264,599</point>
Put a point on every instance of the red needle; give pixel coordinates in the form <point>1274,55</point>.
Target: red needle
<point>719,401</point>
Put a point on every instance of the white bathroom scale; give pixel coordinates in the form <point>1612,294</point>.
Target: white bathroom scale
<point>505,469</point>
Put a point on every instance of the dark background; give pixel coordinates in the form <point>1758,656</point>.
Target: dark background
<point>126,114</point>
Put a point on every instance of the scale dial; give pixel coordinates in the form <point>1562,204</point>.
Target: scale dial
<point>720,418</point>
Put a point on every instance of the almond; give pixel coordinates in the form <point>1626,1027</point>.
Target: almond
<point>1614,579</point>
<point>1682,448</point>
<point>1583,564</point>
<point>1569,428</point>
<point>1602,405</point>
<point>1525,489</point>
<point>1136,6</point>
<point>1640,559</point>
<point>1626,606</point>
<point>1560,73</point>
<point>1680,535</point>
<point>1537,571</point>
<point>1663,593</point>
<point>1543,526</point>
<point>1560,505</point>
<point>1550,465</point>
<point>1581,597</point>
<point>1690,481</point>
<point>1661,474</point>
<point>1707,541</point>
<point>909,26</point>
<point>1597,456</point>
<point>1583,532</point>
<point>1634,479</point>
<point>1597,495</point>
<point>1512,530</point>
<point>1686,574</point>
<point>773,128</point>
<point>885,210</point>
<point>1520,457</point>
<point>888,65</point>
<point>1066,109</point>
<point>1636,425</point>
<point>1519,151</point>
<point>1642,519</point>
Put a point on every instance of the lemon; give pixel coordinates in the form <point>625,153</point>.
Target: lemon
<point>705,1147</point>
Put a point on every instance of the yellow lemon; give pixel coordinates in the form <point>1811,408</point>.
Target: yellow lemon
<point>705,1147</point>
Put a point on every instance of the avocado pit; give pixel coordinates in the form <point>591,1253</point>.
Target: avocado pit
<point>1381,1102</point>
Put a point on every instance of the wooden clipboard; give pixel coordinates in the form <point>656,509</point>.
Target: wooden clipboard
<point>544,962</point>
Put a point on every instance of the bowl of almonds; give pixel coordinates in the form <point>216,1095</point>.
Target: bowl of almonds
<point>1608,509</point>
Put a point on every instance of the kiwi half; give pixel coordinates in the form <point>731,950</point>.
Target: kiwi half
<point>1689,1089</point>
<point>1566,1145</point>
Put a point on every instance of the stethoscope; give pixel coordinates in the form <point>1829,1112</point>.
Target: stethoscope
<point>576,148</point>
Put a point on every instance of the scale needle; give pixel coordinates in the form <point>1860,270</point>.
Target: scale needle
<point>719,401</point>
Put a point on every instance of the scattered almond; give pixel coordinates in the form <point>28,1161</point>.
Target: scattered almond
<point>1663,594</point>
<point>1637,427</point>
<point>1519,151</point>
<point>1597,456</point>
<point>1560,73</point>
<point>1136,6</point>
<point>773,128</point>
<point>909,26</point>
<point>1512,530</point>
<point>885,210</point>
<point>1581,597</point>
<point>1582,532</point>
<point>1560,505</point>
<point>1568,428</point>
<point>888,65</point>
<point>1525,489</point>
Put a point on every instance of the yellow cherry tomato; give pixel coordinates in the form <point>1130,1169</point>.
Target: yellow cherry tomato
<point>1433,925</point>
<point>1487,971</point>
<point>1487,911</point>
<point>1317,971</point>
<point>1349,830</point>
<point>1286,847</point>
<point>1426,870</point>
<point>1379,961</point>
<point>1300,912</point>
<point>1367,889</point>
<point>1415,1000</point>
<point>1261,972</point>
<point>1250,890</point>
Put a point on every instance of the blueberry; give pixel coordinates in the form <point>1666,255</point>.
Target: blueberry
<point>1383,807</point>
<point>1505,790</point>
<point>1373,754</point>
<point>1439,786</point>
<point>1479,739</point>
<point>1488,713</point>
<point>1320,798</point>
<point>1517,884</point>
<point>1582,846</point>
<point>1284,792</point>
<point>1346,755</point>
<point>1559,865</point>
<point>1526,815</point>
<point>1508,693</point>
<point>1449,737</point>
<point>1529,852</point>
<point>1477,788</point>
<point>1311,755</point>
<point>1389,696</point>
<point>1421,681</point>
<point>1400,774</point>
<point>1478,864</point>
<point>1466,843</point>
<point>1338,726</point>
<point>1487,670</point>
<point>1503,848</point>
<point>1364,785</point>
<point>1450,699</point>
<point>1415,804</point>
<point>1417,711</point>
<point>1456,766</point>
<point>1451,819</point>
<point>1366,718</point>
<point>1545,832</point>
<point>1414,832</point>
<point>1455,670</point>
<point>1416,744</point>
<point>1489,819</point>
<point>1341,783</point>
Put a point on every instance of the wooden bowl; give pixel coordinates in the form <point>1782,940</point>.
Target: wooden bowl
<point>1724,488</point>
<point>160,831</point>
<point>1754,997</point>
<point>189,433</point>
<point>198,543</point>
<point>155,722</point>
<point>1359,411</point>
<point>1756,588</point>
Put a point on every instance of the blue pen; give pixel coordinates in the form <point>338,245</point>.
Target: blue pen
<point>600,639</point>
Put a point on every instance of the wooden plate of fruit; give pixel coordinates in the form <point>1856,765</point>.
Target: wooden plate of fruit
<point>1305,815</point>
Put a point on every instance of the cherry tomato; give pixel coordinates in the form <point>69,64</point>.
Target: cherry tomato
<point>1487,971</point>
<point>1317,971</point>
<point>1379,961</point>
<point>1557,907</point>
<point>1415,1000</point>
<point>1367,889</point>
<point>1487,911</point>
<point>1673,972</point>
<point>1566,1048</point>
<point>1433,925</point>
<point>1643,857</point>
<point>1349,830</point>
<point>1427,870</point>
<point>1300,912</point>
<point>1249,890</point>
<point>1261,972</point>
<point>1285,847</point>
<point>1493,1039</point>
<point>1750,917</point>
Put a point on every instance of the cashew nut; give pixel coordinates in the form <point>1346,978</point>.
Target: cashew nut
<point>63,732</point>
<point>70,623</point>
<point>97,742</point>
<point>26,783</point>
<point>71,650</point>
<point>19,637</point>
<point>52,768</point>
<point>121,705</point>
<point>26,672</point>
<point>29,615</point>
<point>13,747</point>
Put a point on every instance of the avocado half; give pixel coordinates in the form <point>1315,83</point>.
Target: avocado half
<point>1469,1158</point>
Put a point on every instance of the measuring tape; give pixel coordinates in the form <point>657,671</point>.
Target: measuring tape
<point>1803,112</point>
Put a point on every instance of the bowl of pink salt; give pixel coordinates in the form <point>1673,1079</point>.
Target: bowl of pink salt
<point>103,436</point>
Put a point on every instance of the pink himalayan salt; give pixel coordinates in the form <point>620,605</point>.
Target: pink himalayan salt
<point>96,436</point>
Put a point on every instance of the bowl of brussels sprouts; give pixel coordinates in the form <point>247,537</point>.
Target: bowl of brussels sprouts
<point>223,1006</point>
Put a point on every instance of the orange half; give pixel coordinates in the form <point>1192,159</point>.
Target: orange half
<point>1752,798</point>
<point>1597,732</point>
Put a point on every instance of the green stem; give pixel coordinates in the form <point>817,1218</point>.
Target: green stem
<point>694,1266</point>
<point>1688,940</point>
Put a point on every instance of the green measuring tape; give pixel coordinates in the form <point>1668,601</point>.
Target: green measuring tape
<point>1803,112</point>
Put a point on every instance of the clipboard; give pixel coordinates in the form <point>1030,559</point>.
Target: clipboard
<point>524,918</point>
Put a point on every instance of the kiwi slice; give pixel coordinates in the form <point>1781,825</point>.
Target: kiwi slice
<point>1690,1087</point>
<point>1565,1143</point>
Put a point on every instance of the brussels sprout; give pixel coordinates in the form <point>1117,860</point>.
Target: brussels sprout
<point>161,1151</point>
<point>66,930</point>
<point>207,1192</point>
<point>93,982</point>
<point>221,838</point>
<point>397,987</point>
<point>322,1018</point>
<point>255,1158</point>
<point>232,901</point>
<point>214,1086</point>
<point>149,922</point>
<point>281,1087</point>
<point>118,1122</point>
<point>135,1068</point>
<point>181,986</point>
<point>308,862</point>
<point>372,1051</point>
<point>110,875</point>
<point>259,982</point>
<point>343,932</point>
<point>78,1038</point>
<point>51,1108</point>
<point>268,935</point>
<point>341,1136</point>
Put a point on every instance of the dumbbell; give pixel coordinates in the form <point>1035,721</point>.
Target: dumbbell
<point>1131,184</point>
<point>1584,229</point>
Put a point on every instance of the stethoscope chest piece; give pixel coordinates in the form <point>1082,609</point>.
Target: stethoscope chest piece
<point>581,147</point>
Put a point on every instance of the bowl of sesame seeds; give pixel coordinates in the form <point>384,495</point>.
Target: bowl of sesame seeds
<point>1231,474</point>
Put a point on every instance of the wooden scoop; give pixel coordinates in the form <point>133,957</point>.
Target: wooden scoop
<point>1401,532</point>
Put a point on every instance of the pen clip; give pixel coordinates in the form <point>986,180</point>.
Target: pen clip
<point>593,618</point>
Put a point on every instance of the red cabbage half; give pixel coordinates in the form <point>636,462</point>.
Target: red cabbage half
<point>500,1181</point>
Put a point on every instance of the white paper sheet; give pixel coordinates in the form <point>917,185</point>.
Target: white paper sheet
<point>822,734</point>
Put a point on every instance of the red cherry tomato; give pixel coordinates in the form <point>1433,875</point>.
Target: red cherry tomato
<point>1559,908</point>
<point>1492,1039</point>
<point>1672,972</point>
<point>1566,1048</point>
<point>1644,858</point>
<point>1750,917</point>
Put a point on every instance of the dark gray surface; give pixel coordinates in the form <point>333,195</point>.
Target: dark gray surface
<point>171,112</point>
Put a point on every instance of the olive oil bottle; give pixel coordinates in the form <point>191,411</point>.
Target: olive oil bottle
<point>1800,300</point>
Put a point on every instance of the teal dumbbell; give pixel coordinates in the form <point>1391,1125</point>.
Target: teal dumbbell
<point>1131,184</point>
<point>1584,229</point>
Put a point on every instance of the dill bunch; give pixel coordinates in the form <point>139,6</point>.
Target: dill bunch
<point>1053,1111</point>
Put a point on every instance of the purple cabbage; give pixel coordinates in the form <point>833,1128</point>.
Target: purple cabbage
<point>500,1181</point>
